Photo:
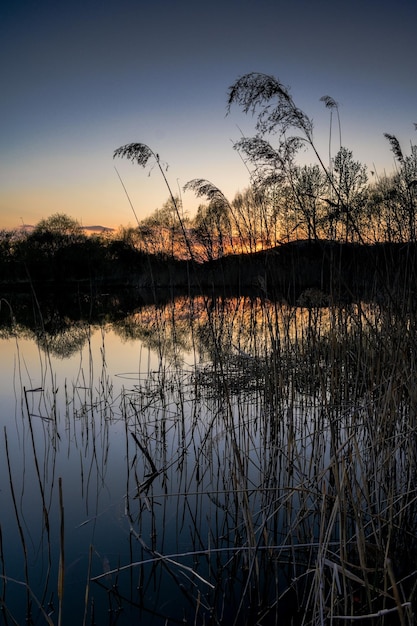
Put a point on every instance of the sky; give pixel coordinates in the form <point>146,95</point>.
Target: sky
<point>82,78</point>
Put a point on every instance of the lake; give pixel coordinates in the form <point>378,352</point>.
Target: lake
<point>207,460</point>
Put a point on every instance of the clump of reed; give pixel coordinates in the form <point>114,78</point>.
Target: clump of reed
<point>294,447</point>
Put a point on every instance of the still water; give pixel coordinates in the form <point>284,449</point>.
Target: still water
<point>169,466</point>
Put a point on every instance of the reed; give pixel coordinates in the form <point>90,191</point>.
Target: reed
<point>61,567</point>
<point>20,528</point>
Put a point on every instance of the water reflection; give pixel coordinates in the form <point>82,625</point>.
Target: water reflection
<point>222,461</point>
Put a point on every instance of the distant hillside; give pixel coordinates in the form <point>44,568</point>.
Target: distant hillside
<point>25,228</point>
<point>97,229</point>
<point>89,230</point>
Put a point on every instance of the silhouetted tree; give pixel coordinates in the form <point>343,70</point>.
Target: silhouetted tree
<point>250,211</point>
<point>59,227</point>
<point>406,183</point>
<point>220,204</point>
<point>54,248</point>
<point>7,255</point>
<point>309,186</point>
<point>349,179</point>
<point>163,232</point>
<point>213,230</point>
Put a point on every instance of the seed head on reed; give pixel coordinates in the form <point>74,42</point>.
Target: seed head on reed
<point>204,188</point>
<point>329,102</point>
<point>395,147</point>
<point>254,90</point>
<point>138,153</point>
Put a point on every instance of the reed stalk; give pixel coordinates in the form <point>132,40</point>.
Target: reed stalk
<point>61,567</point>
<point>19,527</point>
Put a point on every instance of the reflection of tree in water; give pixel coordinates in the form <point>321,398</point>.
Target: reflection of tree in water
<point>165,329</point>
<point>235,325</point>
<point>213,327</point>
<point>7,319</point>
<point>271,341</point>
<point>63,339</point>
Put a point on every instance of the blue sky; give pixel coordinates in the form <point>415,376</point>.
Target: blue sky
<point>80,79</point>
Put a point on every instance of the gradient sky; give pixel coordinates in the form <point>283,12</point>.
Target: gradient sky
<point>81,78</point>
